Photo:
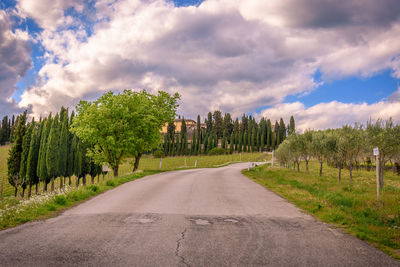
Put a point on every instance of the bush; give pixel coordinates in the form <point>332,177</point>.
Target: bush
<point>110,183</point>
<point>94,188</point>
<point>60,200</point>
<point>159,154</point>
<point>217,151</point>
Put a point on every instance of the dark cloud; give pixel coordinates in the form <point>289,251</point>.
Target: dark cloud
<point>333,13</point>
<point>15,62</point>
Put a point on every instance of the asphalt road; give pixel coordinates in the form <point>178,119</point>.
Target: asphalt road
<point>203,217</point>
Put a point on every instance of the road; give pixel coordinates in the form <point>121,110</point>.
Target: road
<point>202,217</point>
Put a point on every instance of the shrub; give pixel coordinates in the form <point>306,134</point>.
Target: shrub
<point>218,151</point>
<point>110,183</point>
<point>93,188</point>
<point>60,200</point>
<point>159,154</point>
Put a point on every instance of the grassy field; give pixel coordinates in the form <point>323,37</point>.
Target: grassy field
<point>350,206</point>
<point>147,163</point>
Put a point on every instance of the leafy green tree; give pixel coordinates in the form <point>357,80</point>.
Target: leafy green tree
<point>15,154</point>
<point>384,135</point>
<point>218,123</point>
<point>184,143</point>
<point>122,125</point>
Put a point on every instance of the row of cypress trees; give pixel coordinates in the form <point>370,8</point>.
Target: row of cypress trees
<point>7,128</point>
<point>246,135</point>
<point>45,150</point>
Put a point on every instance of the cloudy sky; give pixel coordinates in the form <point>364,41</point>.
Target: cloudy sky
<point>326,62</point>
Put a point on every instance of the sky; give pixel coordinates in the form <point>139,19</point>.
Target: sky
<point>326,62</point>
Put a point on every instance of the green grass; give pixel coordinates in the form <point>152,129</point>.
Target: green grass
<point>146,163</point>
<point>14,211</point>
<point>351,206</point>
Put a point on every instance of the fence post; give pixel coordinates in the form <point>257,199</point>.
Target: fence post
<point>195,163</point>
<point>376,154</point>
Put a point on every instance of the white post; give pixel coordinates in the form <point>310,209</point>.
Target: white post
<point>376,154</point>
<point>272,161</point>
<point>159,167</point>
<point>195,163</point>
<point>377,178</point>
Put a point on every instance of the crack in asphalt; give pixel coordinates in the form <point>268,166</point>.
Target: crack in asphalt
<point>178,246</point>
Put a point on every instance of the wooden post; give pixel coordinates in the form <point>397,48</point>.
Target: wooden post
<point>376,154</point>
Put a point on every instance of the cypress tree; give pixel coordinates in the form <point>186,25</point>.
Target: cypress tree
<point>252,139</point>
<point>231,145</point>
<point>166,145</point>
<point>42,167</point>
<point>12,129</point>
<point>262,140</point>
<point>5,131</point>
<point>240,143</point>
<point>71,151</point>
<point>245,141</point>
<point>282,130</point>
<point>215,140</point>
<point>236,140</point>
<point>198,129</point>
<point>210,142</point>
<point>184,145</point>
<point>52,152</point>
<point>223,145</point>
<point>205,144</point>
<point>292,127</point>
<point>33,157</point>
<point>24,157</point>
<point>269,134</point>
<point>209,123</point>
<point>15,154</point>
<point>193,146</point>
<point>63,146</point>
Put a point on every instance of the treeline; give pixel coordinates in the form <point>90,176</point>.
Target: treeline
<point>246,135</point>
<point>7,128</point>
<point>348,147</point>
<point>44,150</point>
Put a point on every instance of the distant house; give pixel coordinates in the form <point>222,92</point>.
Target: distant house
<point>191,127</point>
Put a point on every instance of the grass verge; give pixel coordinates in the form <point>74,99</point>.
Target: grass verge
<point>350,206</point>
<point>14,212</point>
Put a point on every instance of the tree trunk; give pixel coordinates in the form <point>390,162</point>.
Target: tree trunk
<point>298,166</point>
<point>137,159</point>
<point>104,174</point>
<point>23,192</point>
<point>52,184</point>
<point>69,180</point>
<point>98,178</point>
<point>116,171</point>
<point>320,168</point>
<point>351,172</point>
<point>77,181</point>
<point>61,183</point>
<point>92,179</point>
<point>30,190</point>
<point>16,191</point>
<point>45,186</point>
<point>340,173</point>
<point>84,180</point>
<point>381,166</point>
<point>37,188</point>
<point>307,166</point>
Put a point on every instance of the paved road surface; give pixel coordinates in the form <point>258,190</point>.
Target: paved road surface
<point>203,217</point>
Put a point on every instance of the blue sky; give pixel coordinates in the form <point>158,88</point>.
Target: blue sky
<point>245,56</point>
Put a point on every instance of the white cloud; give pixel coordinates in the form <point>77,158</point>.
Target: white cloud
<point>232,55</point>
<point>333,114</point>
